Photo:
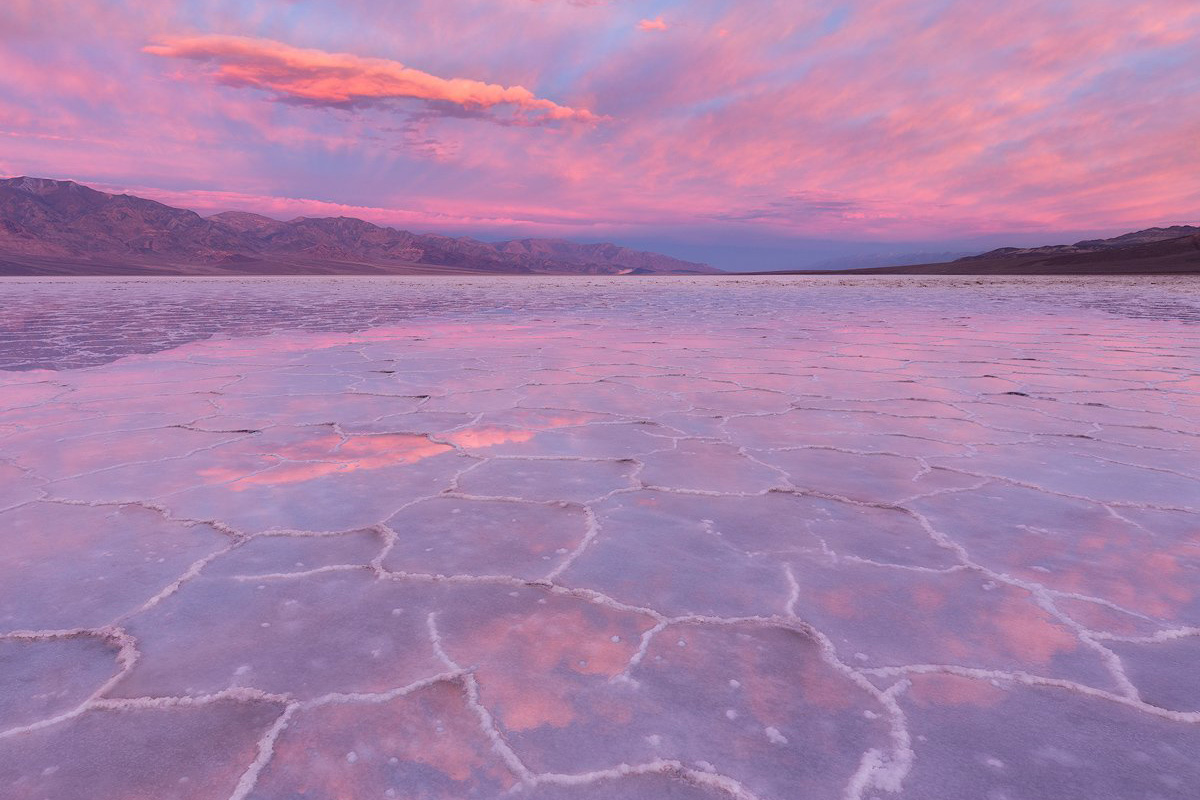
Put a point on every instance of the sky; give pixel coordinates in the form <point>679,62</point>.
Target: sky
<point>751,134</point>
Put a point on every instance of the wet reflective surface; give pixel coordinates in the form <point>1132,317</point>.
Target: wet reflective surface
<point>750,538</point>
<point>69,323</point>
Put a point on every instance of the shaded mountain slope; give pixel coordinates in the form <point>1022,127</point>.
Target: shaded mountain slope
<point>1154,251</point>
<point>62,227</point>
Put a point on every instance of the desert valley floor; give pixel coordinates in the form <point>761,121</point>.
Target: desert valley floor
<point>584,538</point>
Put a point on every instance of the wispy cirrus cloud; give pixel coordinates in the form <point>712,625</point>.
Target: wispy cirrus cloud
<point>320,78</point>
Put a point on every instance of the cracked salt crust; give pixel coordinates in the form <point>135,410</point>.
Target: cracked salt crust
<point>600,539</point>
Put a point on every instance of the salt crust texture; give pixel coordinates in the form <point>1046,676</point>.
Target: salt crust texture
<point>600,539</point>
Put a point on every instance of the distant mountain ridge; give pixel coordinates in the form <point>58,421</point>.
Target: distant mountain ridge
<point>46,222</point>
<point>1174,250</point>
<point>1149,236</point>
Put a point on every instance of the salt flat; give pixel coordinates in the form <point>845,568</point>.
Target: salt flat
<point>600,538</point>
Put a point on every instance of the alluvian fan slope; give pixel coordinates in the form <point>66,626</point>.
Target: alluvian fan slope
<point>1174,249</point>
<point>61,227</point>
<point>1161,239</point>
<point>1153,251</point>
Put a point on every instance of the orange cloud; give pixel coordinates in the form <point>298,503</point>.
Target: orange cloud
<point>656,24</point>
<point>318,77</point>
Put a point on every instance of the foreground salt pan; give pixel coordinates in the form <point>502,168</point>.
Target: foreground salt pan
<point>601,539</point>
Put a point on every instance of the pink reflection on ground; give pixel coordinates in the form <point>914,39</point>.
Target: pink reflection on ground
<point>487,436</point>
<point>346,455</point>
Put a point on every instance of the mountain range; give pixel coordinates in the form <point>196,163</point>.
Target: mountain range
<point>50,227</point>
<point>56,227</point>
<point>1148,242</point>
<point>1153,251</point>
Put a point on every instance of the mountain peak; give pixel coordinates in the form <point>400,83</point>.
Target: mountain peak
<point>39,186</point>
<point>242,216</point>
<point>244,221</point>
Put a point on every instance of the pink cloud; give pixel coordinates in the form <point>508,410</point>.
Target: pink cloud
<point>656,24</point>
<point>873,119</point>
<point>343,79</point>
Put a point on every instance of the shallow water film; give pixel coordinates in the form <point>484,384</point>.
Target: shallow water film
<point>600,538</point>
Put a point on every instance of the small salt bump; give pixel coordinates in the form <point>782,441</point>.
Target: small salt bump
<point>730,714</point>
<point>265,625</point>
<point>615,639</point>
<point>869,714</point>
<point>352,757</point>
<point>774,736</point>
<point>735,684</point>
